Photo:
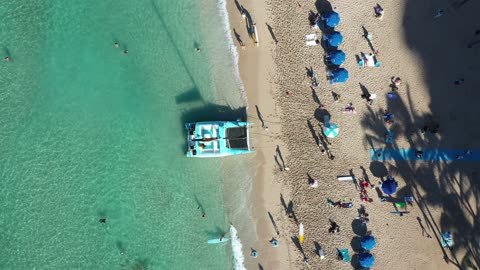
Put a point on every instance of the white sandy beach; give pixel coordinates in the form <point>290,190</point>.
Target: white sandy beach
<point>424,52</point>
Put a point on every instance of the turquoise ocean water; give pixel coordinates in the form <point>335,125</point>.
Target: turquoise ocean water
<point>89,132</point>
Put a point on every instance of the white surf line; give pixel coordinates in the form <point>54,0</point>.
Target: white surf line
<point>238,257</point>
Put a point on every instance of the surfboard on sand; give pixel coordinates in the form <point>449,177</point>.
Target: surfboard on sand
<point>217,240</point>
<point>301,237</point>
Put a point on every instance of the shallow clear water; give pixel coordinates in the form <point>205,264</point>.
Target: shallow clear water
<point>89,132</point>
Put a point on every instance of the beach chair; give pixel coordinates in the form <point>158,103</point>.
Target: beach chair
<point>343,254</point>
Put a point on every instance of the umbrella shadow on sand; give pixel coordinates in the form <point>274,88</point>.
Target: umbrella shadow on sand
<point>320,115</point>
<point>356,244</point>
<point>359,228</point>
<point>378,169</point>
<point>355,262</point>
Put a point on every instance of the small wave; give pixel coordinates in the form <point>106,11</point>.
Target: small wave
<point>222,5</point>
<point>237,250</point>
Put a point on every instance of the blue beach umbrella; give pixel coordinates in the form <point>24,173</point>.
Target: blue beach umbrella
<point>331,130</point>
<point>331,19</point>
<point>368,242</point>
<point>339,75</point>
<point>334,39</point>
<point>337,57</point>
<point>389,186</point>
<point>366,260</point>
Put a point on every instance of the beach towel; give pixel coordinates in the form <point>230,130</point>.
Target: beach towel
<point>370,60</point>
<point>311,43</point>
<point>343,254</point>
<point>311,37</point>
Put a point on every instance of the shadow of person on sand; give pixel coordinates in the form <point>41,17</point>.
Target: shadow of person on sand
<point>296,241</point>
<point>274,223</point>
<point>313,132</point>
<point>238,37</point>
<point>270,29</point>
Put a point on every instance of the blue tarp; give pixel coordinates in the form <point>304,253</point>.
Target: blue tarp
<point>334,39</point>
<point>368,242</point>
<point>336,57</point>
<point>366,259</point>
<point>389,186</point>
<point>331,19</point>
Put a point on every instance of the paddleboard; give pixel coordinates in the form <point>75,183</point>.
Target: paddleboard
<point>217,240</point>
<point>301,237</point>
<point>255,35</point>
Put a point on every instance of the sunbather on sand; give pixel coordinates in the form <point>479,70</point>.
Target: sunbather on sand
<point>378,12</point>
<point>314,23</point>
<point>369,60</point>
<point>349,109</point>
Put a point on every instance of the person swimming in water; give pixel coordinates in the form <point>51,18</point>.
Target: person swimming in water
<point>103,220</point>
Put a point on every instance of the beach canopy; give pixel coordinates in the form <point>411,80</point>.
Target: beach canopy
<point>334,39</point>
<point>336,57</point>
<point>366,260</point>
<point>331,19</point>
<point>389,186</point>
<point>331,130</point>
<point>368,242</point>
<point>339,75</point>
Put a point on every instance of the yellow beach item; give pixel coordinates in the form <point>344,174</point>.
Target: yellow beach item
<point>256,41</point>
<point>301,237</point>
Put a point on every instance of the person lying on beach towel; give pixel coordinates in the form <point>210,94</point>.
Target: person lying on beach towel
<point>368,60</point>
<point>349,109</point>
<point>378,12</point>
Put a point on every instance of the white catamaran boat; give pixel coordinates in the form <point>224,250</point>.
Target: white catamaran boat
<point>217,139</point>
